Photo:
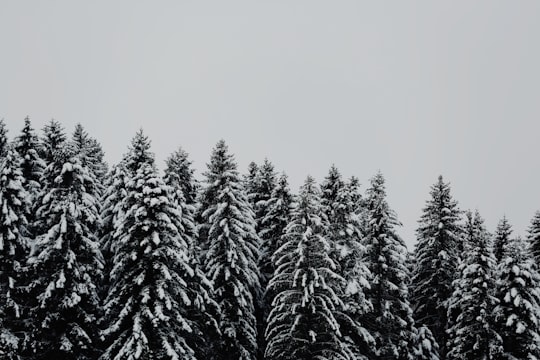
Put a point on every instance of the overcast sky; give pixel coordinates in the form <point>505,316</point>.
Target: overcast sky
<point>413,88</point>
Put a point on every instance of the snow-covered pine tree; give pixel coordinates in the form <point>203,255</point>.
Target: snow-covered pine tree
<point>472,334</point>
<point>303,322</point>
<point>66,265</point>
<point>180,174</point>
<point>427,347</point>
<point>265,184</point>
<point>436,255</point>
<point>502,238</point>
<point>90,152</point>
<point>345,237</point>
<point>204,310</point>
<point>391,321</point>
<point>14,202</point>
<point>3,139</point>
<point>278,215</point>
<point>28,147</point>
<point>53,139</point>
<point>139,154</point>
<point>517,314</point>
<point>112,200</point>
<point>148,309</point>
<point>230,256</point>
<point>250,182</point>
<point>534,238</point>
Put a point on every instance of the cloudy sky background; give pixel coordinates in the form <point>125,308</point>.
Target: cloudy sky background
<point>413,88</point>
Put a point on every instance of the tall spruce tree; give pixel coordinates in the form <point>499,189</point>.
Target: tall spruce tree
<point>273,225</point>
<point>391,319</point>
<point>517,315</point>
<point>472,332</point>
<point>502,238</point>
<point>90,152</point>
<point>14,202</point>
<point>228,236</point>
<point>150,307</point>
<point>436,256</point>
<point>345,236</point>
<point>3,139</point>
<point>251,182</point>
<point>427,347</point>
<point>28,147</point>
<point>303,322</point>
<point>180,175</point>
<point>53,139</point>
<point>113,206</point>
<point>534,238</point>
<point>66,265</point>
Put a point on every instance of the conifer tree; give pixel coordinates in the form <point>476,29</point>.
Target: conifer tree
<point>3,139</point>
<point>345,236</point>
<point>273,225</point>
<point>502,238</point>
<point>472,332</point>
<point>517,314</point>
<point>265,184</point>
<point>180,175</point>
<point>303,322</point>
<point>534,238</point>
<point>150,307</point>
<point>439,234</point>
<point>427,347</point>
<point>66,265</point>
<point>391,319</point>
<point>228,236</point>
<point>14,205</point>
<point>139,154</point>
<point>115,191</point>
<point>90,152</point>
<point>250,182</point>
<point>53,139</point>
<point>28,147</point>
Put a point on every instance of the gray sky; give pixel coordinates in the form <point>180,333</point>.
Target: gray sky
<point>413,88</point>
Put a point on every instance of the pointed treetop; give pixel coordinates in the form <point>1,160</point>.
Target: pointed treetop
<point>3,138</point>
<point>54,137</point>
<point>139,153</point>
<point>502,238</point>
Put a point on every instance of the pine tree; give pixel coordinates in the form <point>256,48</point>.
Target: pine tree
<point>139,154</point>
<point>3,139</point>
<point>180,173</point>
<point>517,315</point>
<point>534,238</point>
<point>302,324</point>
<point>250,182</point>
<point>439,234</point>
<point>278,215</point>
<point>427,347</point>
<point>149,310</point>
<point>472,332</point>
<point>54,138</point>
<point>90,152</point>
<point>391,319</point>
<point>230,258</point>
<point>112,212</point>
<point>66,265</point>
<point>14,202</point>
<point>113,206</point>
<point>502,238</point>
<point>28,147</point>
<point>179,178</point>
<point>345,236</point>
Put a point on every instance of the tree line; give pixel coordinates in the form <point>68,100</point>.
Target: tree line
<point>129,263</point>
